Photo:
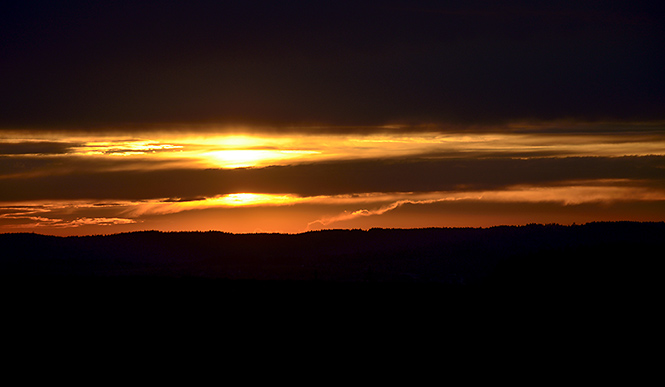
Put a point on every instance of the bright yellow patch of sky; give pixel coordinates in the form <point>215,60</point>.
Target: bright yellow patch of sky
<point>259,150</point>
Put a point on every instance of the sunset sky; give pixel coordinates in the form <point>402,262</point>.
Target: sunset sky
<point>289,116</point>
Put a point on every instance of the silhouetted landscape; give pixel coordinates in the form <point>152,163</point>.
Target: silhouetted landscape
<point>538,286</point>
<point>530,257</point>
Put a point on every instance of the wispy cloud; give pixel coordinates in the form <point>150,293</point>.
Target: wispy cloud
<point>595,192</point>
<point>32,222</point>
<point>34,147</point>
<point>325,221</point>
<point>27,216</point>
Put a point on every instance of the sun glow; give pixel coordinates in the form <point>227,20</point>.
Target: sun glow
<point>243,158</point>
<point>253,199</point>
<point>211,150</point>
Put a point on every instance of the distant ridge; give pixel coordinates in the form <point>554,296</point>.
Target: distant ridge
<point>533,254</point>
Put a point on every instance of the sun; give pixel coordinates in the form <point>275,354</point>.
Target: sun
<point>245,158</point>
<point>240,158</point>
<point>252,199</point>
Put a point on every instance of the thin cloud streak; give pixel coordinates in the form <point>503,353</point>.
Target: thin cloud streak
<point>37,222</point>
<point>25,216</point>
<point>363,212</point>
<point>566,195</point>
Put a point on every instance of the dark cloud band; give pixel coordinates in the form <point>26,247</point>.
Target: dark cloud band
<point>335,178</point>
<point>355,63</point>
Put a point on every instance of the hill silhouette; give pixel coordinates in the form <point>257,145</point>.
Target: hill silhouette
<point>557,285</point>
<point>507,256</point>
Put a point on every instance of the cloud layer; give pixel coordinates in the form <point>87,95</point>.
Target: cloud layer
<point>354,63</point>
<point>334,178</point>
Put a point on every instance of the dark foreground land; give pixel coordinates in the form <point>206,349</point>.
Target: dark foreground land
<point>533,257</point>
<point>593,287</point>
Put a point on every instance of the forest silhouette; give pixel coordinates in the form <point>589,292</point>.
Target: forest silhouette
<point>597,254</point>
<point>499,282</point>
